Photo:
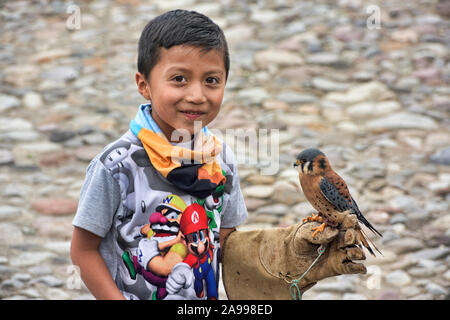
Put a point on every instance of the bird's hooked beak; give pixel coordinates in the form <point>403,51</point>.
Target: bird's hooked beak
<point>302,166</point>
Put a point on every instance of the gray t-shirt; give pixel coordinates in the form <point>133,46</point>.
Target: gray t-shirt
<point>122,190</point>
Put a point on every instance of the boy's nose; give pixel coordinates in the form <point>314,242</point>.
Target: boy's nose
<point>195,94</point>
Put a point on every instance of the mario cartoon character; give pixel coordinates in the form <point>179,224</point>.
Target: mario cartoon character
<point>197,266</point>
<point>162,248</point>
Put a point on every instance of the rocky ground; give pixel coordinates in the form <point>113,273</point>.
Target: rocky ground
<point>373,96</point>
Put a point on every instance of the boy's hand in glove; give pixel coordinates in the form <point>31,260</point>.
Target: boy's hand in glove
<point>261,264</point>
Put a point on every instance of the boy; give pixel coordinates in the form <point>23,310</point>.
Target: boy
<point>183,65</point>
<point>127,239</point>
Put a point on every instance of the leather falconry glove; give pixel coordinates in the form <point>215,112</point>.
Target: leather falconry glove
<point>262,264</point>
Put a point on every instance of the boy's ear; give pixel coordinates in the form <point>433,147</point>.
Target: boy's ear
<point>142,85</point>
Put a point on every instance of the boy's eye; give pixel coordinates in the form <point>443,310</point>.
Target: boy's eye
<point>179,79</point>
<point>212,80</point>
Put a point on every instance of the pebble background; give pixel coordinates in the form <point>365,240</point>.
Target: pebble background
<point>375,100</point>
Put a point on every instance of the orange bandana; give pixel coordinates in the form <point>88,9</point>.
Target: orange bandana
<point>193,171</point>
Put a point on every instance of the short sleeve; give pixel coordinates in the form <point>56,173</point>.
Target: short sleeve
<point>235,211</point>
<point>99,200</point>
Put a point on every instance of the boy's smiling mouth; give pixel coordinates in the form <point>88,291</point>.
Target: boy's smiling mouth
<point>192,115</point>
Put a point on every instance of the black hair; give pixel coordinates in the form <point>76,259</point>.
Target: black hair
<point>179,27</point>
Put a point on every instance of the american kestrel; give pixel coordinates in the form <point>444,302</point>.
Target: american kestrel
<point>328,194</point>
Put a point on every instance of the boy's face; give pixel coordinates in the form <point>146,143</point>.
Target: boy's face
<point>185,85</point>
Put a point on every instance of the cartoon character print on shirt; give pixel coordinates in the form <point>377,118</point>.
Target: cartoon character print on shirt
<point>213,205</point>
<point>161,248</point>
<point>142,191</point>
<point>197,268</point>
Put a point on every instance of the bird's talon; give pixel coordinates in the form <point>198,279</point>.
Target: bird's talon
<point>318,229</point>
<point>313,217</point>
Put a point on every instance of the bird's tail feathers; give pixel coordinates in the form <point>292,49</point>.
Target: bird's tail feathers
<point>368,224</point>
<point>365,242</point>
<point>370,241</point>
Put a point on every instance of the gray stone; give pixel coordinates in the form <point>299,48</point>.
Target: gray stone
<point>60,247</point>
<point>373,109</point>
<point>436,289</point>
<point>26,259</point>
<point>293,97</point>
<point>274,209</point>
<point>6,157</point>
<point>406,244</point>
<point>20,136</point>
<point>10,234</point>
<point>410,291</point>
<point>40,270</point>
<point>303,209</point>
<point>447,275</point>
<point>95,138</point>
<point>325,58</point>
<point>436,206</point>
<point>50,281</point>
<point>8,102</point>
<point>56,294</point>
<point>60,74</point>
<point>253,95</point>
<point>341,285</point>
<point>258,191</point>
<point>277,57</point>
<point>354,296</point>
<point>371,91</point>
<point>403,202</point>
<point>431,254</point>
<point>322,296</point>
<point>420,272</point>
<point>31,293</point>
<point>388,295</point>
<point>61,136</point>
<point>398,278</point>
<point>12,284</point>
<point>32,101</point>
<point>403,120</point>
<point>441,157</point>
<point>329,85</point>
<point>14,124</point>
<point>8,212</point>
<point>24,277</point>
<point>19,190</point>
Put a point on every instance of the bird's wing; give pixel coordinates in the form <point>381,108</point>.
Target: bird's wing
<point>341,199</point>
<point>336,192</point>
